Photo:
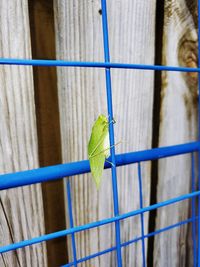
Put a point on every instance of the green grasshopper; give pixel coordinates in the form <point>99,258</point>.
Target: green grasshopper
<point>99,147</point>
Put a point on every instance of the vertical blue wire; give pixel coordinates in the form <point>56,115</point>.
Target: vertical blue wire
<point>141,215</point>
<point>199,133</point>
<point>194,214</point>
<point>111,128</point>
<point>71,222</point>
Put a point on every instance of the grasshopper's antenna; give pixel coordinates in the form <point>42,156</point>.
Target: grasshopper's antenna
<point>94,155</point>
<point>110,163</point>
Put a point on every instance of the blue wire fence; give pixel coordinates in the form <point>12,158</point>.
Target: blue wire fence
<point>39,175</point>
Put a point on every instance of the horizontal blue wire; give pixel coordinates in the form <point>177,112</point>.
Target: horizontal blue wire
<point>44,174</point>
<point>63,63</point>
<point>84,227</point>
<point>127,243</point>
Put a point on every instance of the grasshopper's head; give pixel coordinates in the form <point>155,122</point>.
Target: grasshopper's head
<point>103,119</point>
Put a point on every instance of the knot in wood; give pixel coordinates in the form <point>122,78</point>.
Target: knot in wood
<point>187,57</point>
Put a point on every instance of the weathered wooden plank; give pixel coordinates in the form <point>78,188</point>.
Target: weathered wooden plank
<point>21,210</point>
<point>177,125</point>
<point>82,97</point>
<point>48,124</point>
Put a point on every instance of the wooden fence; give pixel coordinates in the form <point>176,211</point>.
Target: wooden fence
<point>46,116</point>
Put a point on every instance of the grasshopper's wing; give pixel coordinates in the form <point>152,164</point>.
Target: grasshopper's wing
<point>97,166</point>
<point>98,134</point>
<point>96,147</point>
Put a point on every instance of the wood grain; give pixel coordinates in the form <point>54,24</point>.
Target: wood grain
<point>21,210</point>
<point>178,118</point>
<point>82,97</point>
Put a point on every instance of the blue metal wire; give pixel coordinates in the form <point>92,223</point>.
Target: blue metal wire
<point>125,244</point>
<point>49,173</point>
<point>85,64</point>
<point>84,227</point>
<point>141,215</point>
<point>194,232</point>
<point>111,130</point>
<point>71,221</point>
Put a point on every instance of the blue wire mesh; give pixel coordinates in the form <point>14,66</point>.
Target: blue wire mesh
<point>74,168</point>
